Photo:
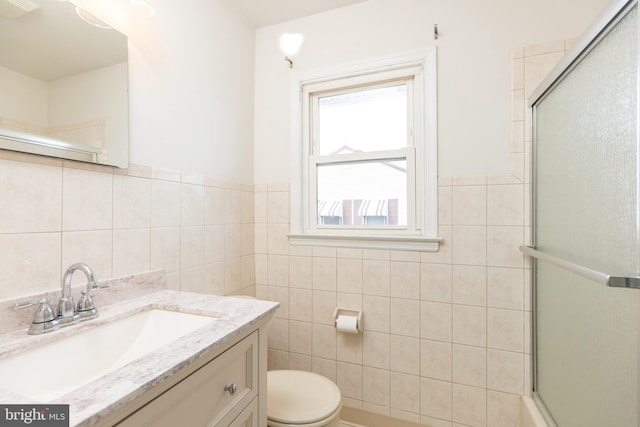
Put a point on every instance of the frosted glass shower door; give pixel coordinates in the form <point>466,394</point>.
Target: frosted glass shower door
<point>586,213</point>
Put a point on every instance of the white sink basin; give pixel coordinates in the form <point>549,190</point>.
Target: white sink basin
<point>52,370</point>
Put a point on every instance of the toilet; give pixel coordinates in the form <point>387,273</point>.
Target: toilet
<point>302,399</point>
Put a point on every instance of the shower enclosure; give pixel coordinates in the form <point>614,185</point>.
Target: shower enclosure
<point>585,243</point>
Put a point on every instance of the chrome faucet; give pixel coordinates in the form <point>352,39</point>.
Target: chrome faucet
<point>67,314</point>
<point>65,304</point>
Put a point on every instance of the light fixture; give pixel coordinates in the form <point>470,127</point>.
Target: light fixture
<point>124,5</point>
<point>90,19</point>
<point>290,45</point>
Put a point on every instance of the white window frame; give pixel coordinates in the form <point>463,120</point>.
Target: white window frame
<point>421,155</point>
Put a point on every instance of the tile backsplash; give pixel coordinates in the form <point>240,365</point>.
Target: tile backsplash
<point>54,213</point>
<point>444,333</point>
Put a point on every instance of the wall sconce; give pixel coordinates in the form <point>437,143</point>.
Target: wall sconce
<point>290,45</point>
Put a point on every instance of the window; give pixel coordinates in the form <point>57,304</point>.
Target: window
<point>365,156</point>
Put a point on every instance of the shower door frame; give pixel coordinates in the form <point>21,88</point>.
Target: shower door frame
<point>596,32</point>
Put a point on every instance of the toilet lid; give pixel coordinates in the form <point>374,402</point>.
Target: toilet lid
<point>299,397</point>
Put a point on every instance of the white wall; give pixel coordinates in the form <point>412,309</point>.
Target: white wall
<point>191,90</point>
<point>190,85</point>
<point>474,68</point>
<point>23,98</point>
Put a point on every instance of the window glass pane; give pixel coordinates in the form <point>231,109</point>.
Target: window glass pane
<point>363,193</point>
<point>366,120</point>
<point>375,220</point>
<point>331,220</point>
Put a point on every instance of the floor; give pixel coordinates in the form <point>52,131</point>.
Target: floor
<point>348,424</point>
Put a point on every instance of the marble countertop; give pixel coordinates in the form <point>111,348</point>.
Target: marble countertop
<point>89,404</point>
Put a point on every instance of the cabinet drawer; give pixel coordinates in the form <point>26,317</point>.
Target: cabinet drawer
<point>220,389</point>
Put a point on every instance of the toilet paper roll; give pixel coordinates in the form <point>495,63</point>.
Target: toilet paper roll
<point>348,324</point>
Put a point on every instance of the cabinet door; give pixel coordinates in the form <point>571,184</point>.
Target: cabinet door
<point>247,418</point>
<point>222,388</point>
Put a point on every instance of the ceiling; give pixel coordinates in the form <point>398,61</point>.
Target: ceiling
<point>270,12</point>
<point>48,43</point>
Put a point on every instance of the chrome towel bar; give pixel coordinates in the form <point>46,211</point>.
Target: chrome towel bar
<point>597,276</point>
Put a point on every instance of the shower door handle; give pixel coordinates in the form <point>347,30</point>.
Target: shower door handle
<point>632,282</point>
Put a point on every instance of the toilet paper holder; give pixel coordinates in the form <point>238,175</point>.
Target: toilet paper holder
<point>348,312</point>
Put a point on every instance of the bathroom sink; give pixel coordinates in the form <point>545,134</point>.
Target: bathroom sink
<point>52,370</point>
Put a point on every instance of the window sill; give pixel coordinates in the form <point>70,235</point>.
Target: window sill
<point>400,243</point>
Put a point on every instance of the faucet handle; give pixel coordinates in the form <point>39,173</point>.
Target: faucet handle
<point>85,303</point>
<point>44,312</point>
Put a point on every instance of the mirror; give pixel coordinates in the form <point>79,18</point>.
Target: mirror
<point>63,83</point>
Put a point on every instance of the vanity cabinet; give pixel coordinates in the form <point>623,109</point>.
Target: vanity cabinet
<point>223,392</point>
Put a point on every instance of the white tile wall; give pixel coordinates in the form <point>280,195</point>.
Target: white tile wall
<point>445,334</point>
<point>54,213</point>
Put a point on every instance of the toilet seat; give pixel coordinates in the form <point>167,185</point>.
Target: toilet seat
<point>301,399</point>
